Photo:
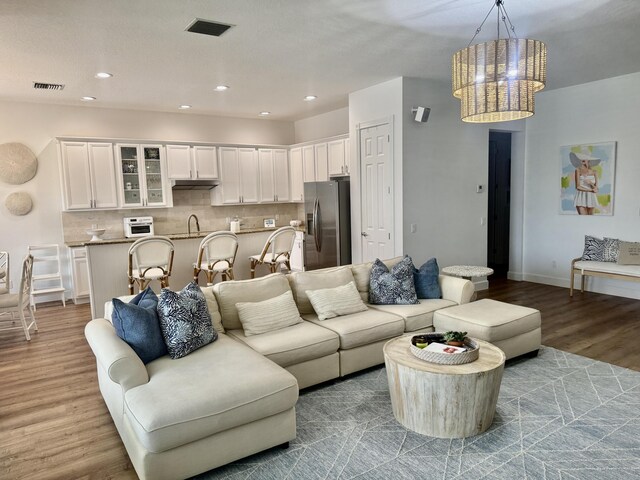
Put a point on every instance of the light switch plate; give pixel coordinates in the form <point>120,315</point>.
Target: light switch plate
<point>479,188</point>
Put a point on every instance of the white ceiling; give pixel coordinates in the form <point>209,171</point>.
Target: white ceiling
<point>282,50</point>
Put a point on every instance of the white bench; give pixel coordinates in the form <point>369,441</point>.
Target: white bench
<point>602,269</point>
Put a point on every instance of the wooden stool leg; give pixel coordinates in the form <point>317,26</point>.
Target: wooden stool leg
<point>230,273</point>
<point>224,276</point>
<point>130,286</point>
<point>253,268</point>
<point>196,274</point>
<point>571,283</point>
<point>582,284</point>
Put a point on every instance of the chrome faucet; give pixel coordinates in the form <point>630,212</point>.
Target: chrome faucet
<point>193,215</point>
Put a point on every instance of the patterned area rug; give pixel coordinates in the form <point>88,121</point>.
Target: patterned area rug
<point>559,416</point>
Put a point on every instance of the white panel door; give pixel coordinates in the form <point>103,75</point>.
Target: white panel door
<point>179,162</point>
<point>267,191</point>
<point>308,164</point>
<point>281,175</point>
<point>297,175</point>
<point>377,193</point>
<point>322,162</point>
<point>103,175</point>
<point>205,161</point>
<point>249,175</point>
<point>230,173</point>
<point>336,157</point>
<point>77,175</point>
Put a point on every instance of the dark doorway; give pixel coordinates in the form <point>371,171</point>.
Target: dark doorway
<point>499,202</point>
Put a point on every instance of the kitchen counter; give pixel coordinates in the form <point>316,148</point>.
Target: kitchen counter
<point>172,236</point>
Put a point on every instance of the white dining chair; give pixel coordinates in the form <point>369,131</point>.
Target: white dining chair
<point>15,303</point>
<point>150,258</point>
<point>276,251</point>
<point>217,254</point>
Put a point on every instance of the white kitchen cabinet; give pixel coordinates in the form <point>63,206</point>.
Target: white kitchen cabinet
<point>347,156</point>
<point>197,162</point>
<point>297,175</point>
<point>274,175</point>
<point>322,162</point>
<point>143,176</point>
<point>308,164</point>
<point>239,177</point>
<point>297,253</point>
<point>80,275</point>
<point>338,157</point>
<point>88,175</point>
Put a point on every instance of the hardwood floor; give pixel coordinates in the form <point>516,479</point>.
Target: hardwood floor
<point>54,424</point>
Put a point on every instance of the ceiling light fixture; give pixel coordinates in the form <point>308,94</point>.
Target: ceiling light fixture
<point>221,88</point>
<point>495,81</point>
<point>264,114</point>
<point>310,98</point>
<point>184,107</point>
<point>104,75</point>
<point>87,99</point>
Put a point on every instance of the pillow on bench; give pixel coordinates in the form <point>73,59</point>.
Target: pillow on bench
<point>629,253</point>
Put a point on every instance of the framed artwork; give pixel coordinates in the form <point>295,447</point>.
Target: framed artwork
<point>587,178</point>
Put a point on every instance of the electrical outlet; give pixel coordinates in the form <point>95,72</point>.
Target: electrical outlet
<point>554,264</point>
<point>414,228</point>
<point>277,217</point>
<point>228,220</point>
<point>483,221</point>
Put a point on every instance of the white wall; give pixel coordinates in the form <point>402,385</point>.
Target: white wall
<point>324,125</point>
<point>601,111</point>
<point>36,125</point>
<point>382,101</point>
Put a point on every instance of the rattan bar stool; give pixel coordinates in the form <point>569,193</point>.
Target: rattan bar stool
<point>276,251</point>
<point>216,254</point>
<point>150,258</point>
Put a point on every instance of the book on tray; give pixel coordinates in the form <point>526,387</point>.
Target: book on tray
<point>442,348</point>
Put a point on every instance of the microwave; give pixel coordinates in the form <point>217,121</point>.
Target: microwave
<point>138,226</point>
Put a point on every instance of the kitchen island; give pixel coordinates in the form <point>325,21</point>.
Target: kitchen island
<point>107,262</point>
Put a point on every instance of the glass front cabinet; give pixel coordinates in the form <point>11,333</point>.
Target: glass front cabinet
<point>143,176</point>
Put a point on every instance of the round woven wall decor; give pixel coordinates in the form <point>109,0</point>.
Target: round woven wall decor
<point>18,164</point>
<point>19,203</point>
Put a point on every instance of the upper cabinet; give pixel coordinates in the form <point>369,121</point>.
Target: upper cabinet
<point>143,176</point>
<point>338,155</point>
<point>308,163</point>
<point>322,162</point>
<point>197,162</point>
<point>88,175</point>
<point>297,176</point>
<point>274,175</point>
<point>239,177</point>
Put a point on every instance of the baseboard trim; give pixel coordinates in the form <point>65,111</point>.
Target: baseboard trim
<point>617,288</point>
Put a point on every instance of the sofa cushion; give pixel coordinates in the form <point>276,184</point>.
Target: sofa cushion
<point>268,315</point>
<point>214,311</point>
<point>425,279</point>
<point>392,287</point>
<point>362,328</point>
<point>137,324</point>
<point>418,316</point>
<point>488,319</point>
<point>362,272</point>
<point>220,386</point>
<point>254,290</point>
<point>334,302</point>
<point>184,320</point>
<point>316,280</point>
<point>289,346</point>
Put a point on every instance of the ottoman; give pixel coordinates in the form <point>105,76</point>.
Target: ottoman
<point>512,328</point>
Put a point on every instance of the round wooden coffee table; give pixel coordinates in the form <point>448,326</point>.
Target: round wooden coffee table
<point>445,401</point>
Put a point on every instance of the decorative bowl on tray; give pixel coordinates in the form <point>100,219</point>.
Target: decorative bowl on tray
<point>471,353</point>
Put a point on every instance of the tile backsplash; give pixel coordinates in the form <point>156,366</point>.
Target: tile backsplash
<point>174,220</point>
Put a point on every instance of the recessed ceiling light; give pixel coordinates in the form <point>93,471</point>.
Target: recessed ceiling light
<point>221,88</point>
<point>87,99</point>
<point>264,114</point>
<point>310,98</point>
<point>104,75</point>
<point>184,107</point>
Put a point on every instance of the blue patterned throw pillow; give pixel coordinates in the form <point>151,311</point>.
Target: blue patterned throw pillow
<point>393,287</point>
<point>137,324</point>
<point>593,249</point>
<point>185,320</point>
<point>425,279</point>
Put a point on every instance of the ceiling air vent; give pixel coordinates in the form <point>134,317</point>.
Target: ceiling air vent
<point>48,86</point>
<point>207,27</point>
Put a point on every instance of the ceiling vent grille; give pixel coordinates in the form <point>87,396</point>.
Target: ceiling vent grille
<point>207,27</point>
<point>48,86</point>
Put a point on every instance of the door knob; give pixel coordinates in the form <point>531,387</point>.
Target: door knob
<point>364,234</point>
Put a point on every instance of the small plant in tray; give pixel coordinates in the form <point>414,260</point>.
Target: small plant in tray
<point>455,338</point>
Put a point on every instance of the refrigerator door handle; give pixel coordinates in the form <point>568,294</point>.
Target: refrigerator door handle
<point>319,227</point>
<point>315,224</point>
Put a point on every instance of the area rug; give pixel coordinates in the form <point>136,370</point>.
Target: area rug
<point>559,417</point>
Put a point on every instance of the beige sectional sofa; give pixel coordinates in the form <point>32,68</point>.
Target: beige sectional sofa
<point>237,395</point>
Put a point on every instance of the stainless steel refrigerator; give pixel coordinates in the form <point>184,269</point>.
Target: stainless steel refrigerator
<point>327,242</point>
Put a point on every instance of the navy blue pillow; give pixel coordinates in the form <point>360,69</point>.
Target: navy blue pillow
<point>426,280</point>
<point>137,324</point>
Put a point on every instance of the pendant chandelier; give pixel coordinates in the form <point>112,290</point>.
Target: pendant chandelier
<point>495,81</point>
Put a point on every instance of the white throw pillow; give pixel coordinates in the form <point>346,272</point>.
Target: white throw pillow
<point>268,315</point>
<point>334,302</point>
